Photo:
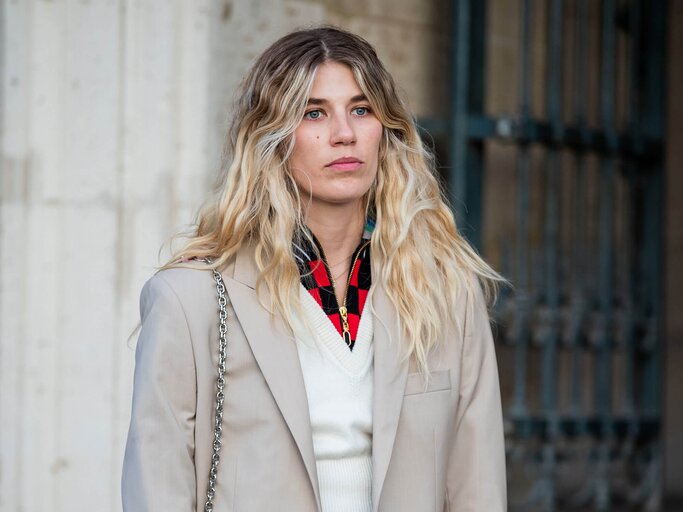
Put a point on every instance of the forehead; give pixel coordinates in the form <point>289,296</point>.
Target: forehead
<point>334,81</point>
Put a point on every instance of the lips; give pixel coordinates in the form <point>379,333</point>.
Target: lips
<point>347,163</point>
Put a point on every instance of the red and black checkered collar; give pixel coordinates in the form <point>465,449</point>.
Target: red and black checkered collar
<point>317,279</point>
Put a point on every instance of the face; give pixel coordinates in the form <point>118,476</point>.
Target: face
<point>336,147</point>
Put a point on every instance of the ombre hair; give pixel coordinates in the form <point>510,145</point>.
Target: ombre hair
<point>417,253</point>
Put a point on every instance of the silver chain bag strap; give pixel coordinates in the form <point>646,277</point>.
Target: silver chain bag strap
<point>220,387</point>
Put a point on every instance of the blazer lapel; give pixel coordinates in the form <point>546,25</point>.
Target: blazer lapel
<point>390,374</point>
<point>276,354</point>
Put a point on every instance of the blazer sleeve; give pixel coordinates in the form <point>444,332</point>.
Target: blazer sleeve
<point>158,467</point>
<point>476,470</point>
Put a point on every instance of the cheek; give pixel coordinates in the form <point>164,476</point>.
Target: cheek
<point>375,136</point>
<point>306,147</point>
<point>302,180</point>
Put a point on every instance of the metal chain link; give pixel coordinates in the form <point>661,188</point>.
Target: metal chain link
<point>220,387</point>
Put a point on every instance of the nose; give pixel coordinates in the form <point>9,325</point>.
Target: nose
<point>342,131</point>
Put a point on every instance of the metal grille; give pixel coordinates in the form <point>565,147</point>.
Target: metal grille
<point>580,331</point>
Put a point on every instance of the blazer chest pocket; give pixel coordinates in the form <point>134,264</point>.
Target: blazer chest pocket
<point>439,380</point>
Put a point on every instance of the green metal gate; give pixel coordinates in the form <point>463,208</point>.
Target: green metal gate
<point>580,331</point>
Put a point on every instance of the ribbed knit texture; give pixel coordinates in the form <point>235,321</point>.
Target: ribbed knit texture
<point>339,390</point>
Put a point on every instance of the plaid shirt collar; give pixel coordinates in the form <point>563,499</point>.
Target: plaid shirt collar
<point>317,279</point>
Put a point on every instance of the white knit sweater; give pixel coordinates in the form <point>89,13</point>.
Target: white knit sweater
<point>339,388</point>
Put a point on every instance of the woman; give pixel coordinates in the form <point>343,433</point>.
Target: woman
<point>361,373</point>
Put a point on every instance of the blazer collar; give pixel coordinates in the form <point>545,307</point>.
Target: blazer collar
<point>275,351</point>
<point>245,270</point>
<point>390,375</point>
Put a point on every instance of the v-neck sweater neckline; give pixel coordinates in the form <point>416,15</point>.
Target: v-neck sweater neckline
<point>354,362</point>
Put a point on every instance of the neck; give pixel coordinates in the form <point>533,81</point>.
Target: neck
<point>338,228</point>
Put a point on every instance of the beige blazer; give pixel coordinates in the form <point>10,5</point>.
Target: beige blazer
<point>438,448</point>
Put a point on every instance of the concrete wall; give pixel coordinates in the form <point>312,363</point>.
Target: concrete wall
<point>104,129</point>
<point>112,119</point>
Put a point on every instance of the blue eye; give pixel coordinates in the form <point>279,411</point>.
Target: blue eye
<point>313,114</point>
<point>361,111</point>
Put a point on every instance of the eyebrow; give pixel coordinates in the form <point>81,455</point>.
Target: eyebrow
<point>322,101</point>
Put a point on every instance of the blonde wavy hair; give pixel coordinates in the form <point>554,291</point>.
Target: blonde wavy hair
<point>417,253</point>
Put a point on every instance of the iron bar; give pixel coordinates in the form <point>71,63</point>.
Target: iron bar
<point>605,258</point>
<point>520,328</point>
<point>653,126</point>
<point>627,326</point>
<point>466,171</point>
<point>552,218</point>
<point>629,242</point>
<point>460,80</point>
<point>580,220</point>
<point>549,329</point>
<point>573,137</point>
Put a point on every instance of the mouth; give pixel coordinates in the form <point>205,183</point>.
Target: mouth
<point>347,163</point>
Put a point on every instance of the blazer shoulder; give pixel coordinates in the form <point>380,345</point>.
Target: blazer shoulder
<point>182,279</point>
<point>468,294</point>
<point>472,309</point>
<point>185,285</point>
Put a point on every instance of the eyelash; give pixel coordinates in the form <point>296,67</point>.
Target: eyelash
<point>307,114</point>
